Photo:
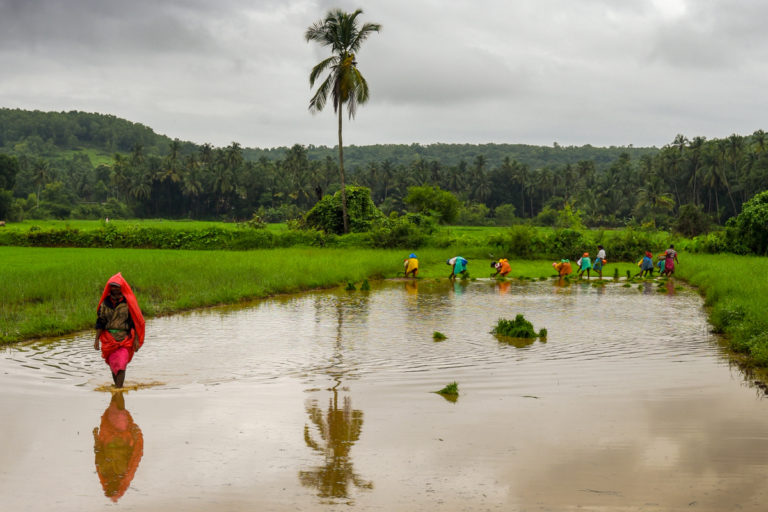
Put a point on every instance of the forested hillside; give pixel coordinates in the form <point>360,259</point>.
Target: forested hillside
<point>92,165</point>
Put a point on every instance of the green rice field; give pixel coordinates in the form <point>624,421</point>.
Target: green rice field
<point>52,291</point>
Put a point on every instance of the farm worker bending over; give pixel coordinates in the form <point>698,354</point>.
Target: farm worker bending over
<point>563,268</point>
<point>585,264</point>
<point>597,265</point>
<point>502,267</point>
<point>646,265</point>
<point>411,265</point>
<point>459,266</point>
<point>119,326</point>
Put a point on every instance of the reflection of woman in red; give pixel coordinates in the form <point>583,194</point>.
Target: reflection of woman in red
<point>118,446</point>
<point>119,326</point>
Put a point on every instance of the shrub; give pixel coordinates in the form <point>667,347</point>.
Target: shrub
<point>751,225</point>
<point>517,328</point>
<point>520,241</point>
<point>327,213</point>
<point>692,221</point>
<point>566,243</point>
<point>409,231</point>
<point>433,201</point>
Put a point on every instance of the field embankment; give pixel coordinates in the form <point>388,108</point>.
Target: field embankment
<point>737,294</point>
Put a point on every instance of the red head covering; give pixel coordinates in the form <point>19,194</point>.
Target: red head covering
<point>108,342</point>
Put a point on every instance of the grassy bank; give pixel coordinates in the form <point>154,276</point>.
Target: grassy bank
<point>737,295</point>
<point>54,291</point>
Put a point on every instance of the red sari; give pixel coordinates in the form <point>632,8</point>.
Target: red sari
<point>108,343</point>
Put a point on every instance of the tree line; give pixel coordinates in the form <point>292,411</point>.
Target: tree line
<point>705,179</point>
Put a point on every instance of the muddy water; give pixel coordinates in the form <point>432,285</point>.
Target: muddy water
<point>323,401</point>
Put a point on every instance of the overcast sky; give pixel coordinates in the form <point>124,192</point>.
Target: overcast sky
<point>600,72</point>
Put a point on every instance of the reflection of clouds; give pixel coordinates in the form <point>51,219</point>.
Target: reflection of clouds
<point>670,452</point>
<point>118,447</point>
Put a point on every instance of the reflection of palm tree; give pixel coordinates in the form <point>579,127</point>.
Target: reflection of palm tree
<point>118,446</point>
<point>338,429</point>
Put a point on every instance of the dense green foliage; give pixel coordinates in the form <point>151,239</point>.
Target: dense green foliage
<point>410,231</point>
<point>48,133</point>
<point>751,225</point>
<point>517,328</point>
<point>432,201</point>
<point>688,185</point>
<point>326,215</point>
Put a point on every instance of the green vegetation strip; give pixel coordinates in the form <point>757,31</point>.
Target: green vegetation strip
<point>736,293</point>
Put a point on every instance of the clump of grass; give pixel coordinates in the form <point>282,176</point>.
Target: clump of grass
<point>465,275</point>
<point>438,336</point>
<point>366,286</point>
<point>661,290</point>
<point>616,274</point>
<point>629,275</point>
<point>542,278</point>
<point>626,285</point>
<point>350,286</point>
<point>451,389</point>
<point>517,328</point>
<point>543,333</point>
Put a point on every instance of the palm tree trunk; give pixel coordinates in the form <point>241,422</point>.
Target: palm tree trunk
<point>343,184</point>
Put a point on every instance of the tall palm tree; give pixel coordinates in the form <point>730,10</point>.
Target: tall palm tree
<point>344,83</point>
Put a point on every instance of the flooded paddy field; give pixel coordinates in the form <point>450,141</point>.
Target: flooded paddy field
<point>324,401</point>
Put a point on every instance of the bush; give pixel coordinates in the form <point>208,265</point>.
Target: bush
<point>433,201</point>
<point>409,231</point>
<point>504,214</point>
<point>751,225</point>
<point>6,203</point>
<point>692,221</point>
<point>521,241</point>
<point>517,328</point>
<point>566,243</point>
<point>327,213</point>
<point>474,214</point>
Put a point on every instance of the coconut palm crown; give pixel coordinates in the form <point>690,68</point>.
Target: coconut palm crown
<point>344,83</point>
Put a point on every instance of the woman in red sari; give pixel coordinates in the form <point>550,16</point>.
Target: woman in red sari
<point>119,326</point>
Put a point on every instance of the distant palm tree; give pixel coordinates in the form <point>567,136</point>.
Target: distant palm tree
<point>344,83</point>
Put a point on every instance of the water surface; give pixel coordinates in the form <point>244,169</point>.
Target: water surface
<point>323,401</point>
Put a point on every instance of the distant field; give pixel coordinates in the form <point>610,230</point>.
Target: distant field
<point>147,223</point>
<point>96,156</point>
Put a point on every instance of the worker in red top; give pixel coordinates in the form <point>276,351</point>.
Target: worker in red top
<point>119,327</point>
